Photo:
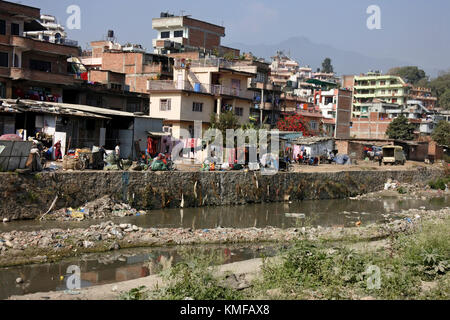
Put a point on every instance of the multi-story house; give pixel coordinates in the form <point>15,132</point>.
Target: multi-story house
<point>284,70</point>
<point>199,89</point>
<point>386,88</point>
<point>424,95</point>
<point>267,95</point>
<point>183,33</point>
<point>52,32</point>
<point>131,60</point>
<point>31,68</point>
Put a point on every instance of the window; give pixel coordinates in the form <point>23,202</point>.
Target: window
<point>239,112</point>
<point>197,107</point>
<point>2,27</point>
<point>313,125</point>
<point>4,59</point>
<point>2,90</point>
<point>165,34</point>
<point>382,83</point>
<point>178,34</point>
<point>15,29</point>
<point>39,65</point>
<point>164,105</point>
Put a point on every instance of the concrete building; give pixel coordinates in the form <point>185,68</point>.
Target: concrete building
<point>31,68</point>
<point>284,70</point>
<point>199,89</point>
<point>133,61</point>
<point>423,95</point>
<point>373,85</point>
<point>52,31</point>
<point>266,106</point>
<point>183,33</point>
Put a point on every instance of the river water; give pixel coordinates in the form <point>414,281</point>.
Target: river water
<point>97,269</point>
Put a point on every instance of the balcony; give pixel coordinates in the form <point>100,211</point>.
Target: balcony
<point>216,90</point>
<point>27,44</point>
<point>39,76</point>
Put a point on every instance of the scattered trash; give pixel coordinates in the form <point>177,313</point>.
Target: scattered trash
<point>295,215</point>
<point>358,224</point>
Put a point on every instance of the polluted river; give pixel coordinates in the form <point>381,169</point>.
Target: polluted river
<point>128,264</point>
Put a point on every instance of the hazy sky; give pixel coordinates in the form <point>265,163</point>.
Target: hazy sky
<point>416,31</point>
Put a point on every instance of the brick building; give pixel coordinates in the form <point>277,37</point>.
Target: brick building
<point>137,65</point>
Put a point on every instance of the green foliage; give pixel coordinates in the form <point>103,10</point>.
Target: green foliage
<point>439,184</point>
<point>140,293</point>
<point>327,67</point>
<point>439,87</point>
<point>411,74</point>
<point>195,279</point>
<point>441,133</point>
<point>314,270</point>
<point>226,120</point>
<point>444,99</point>
<point>400,128</point>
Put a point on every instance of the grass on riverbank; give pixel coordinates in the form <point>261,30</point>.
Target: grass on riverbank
<point>410,266</point>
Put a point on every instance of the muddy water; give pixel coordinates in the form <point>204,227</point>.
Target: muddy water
<point>343,212</point>
<point>98,269</point>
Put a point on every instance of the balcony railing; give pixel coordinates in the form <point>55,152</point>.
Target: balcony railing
<point>205,63</point>
<point>168,85</point>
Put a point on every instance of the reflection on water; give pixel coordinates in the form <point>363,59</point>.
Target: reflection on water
<point>318,212</point>
<point>98,269</point>
<point>125,265</point>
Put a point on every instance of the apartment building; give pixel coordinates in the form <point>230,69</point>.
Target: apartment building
<point>31,68</point>
<point>266,106</point>
<point>283,69</point>
<point>183,33</point>
<point>373,85</point>
<point>199,89</point>
<point>133,61</point>
<point>424,95</point>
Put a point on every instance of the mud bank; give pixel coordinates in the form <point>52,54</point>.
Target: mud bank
<point>29,196</point>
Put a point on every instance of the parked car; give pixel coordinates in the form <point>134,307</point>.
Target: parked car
<point>393,155</point>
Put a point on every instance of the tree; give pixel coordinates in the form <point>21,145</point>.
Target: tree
<point>442,133</point>
<point>293,123</point>
<point>440,88</point>
<point>411,74</point>
<point>226,120</point>
<point>401,129</point>
<point>327,67</point>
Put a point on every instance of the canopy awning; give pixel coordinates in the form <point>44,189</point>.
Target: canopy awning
<point>157,134</point>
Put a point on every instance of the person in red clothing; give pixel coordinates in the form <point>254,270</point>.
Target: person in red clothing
<point>58,153</point>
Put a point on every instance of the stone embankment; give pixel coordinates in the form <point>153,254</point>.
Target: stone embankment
<point>30,196</point>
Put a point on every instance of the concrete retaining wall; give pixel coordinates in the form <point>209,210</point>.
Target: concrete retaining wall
<point>28,196</point>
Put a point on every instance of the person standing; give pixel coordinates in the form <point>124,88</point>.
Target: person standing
<point>117,151</point>
<point>58,153</point>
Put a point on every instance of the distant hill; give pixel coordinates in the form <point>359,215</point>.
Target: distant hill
<point>309,53</point>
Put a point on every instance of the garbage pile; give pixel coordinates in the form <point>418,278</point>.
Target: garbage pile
<point>101,208</point>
